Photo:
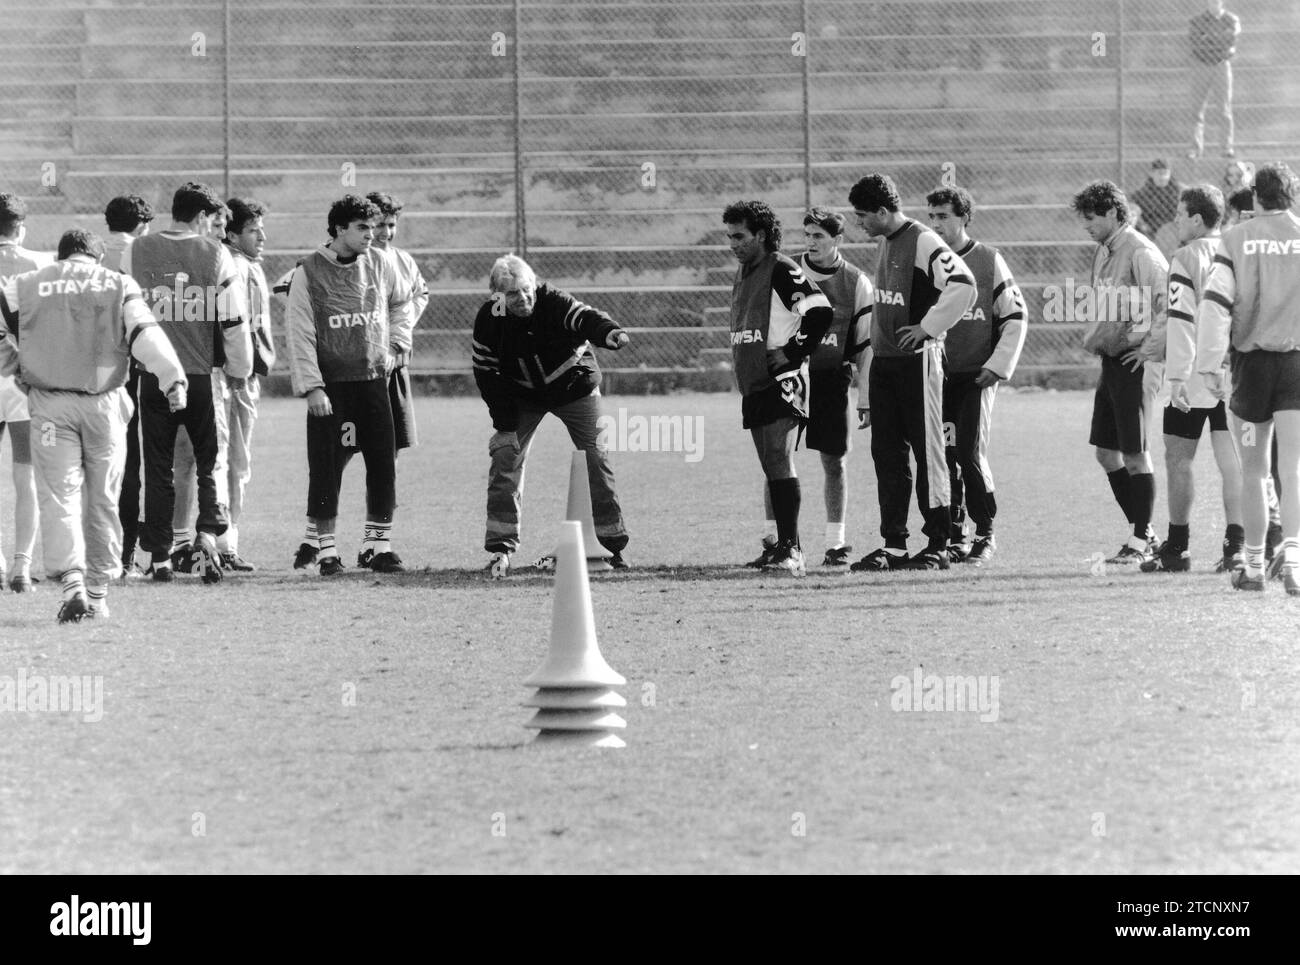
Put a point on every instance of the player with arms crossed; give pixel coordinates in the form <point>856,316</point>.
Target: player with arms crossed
<point>778,317</point>
<point>1250,303</point>
<point>834,368</point>
<point>980,351</point>
<point>346,306</point>
<point>1191,404</point>
<point>922,290</point>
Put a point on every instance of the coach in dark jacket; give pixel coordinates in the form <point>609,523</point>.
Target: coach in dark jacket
<point>532,355</point>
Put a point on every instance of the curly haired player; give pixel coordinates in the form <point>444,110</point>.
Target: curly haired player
<point>778,317</point>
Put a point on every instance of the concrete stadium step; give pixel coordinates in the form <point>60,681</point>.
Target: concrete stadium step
<point>164,136</point>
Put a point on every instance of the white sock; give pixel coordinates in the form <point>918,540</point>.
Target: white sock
<point>74,583</point>
<point>1254,561</point>
<point>327,547</point>
<point>22,564</point>
<point>834,536</point>
<point>310,537</point>
<point>97,596</point>
<point>179,538</point>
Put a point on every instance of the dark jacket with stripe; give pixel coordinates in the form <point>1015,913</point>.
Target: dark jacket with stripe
<point>543,360</point>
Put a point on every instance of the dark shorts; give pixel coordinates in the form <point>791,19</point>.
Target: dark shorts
<point>1190,425</point>
<point>1118,417</point>
<point>1263,383</point>
<point>399,396</point>
<point>830,419</point>
<point>787,398</point>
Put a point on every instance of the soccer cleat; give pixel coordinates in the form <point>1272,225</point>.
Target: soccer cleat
<point>388,562</point>
<point>21,583</point>
<point>98,611</point>
<point>1232,559</point>
<point>930,558</point>
<point>131,571</point>
<point>184,558</point>
<point>1275,566</point>
<point>879,560</point>
<point>73,610</point>
<point>765,557</point>
<point>207,561</point>
<point>331,566</point>
<point>1291,579</point>
<point>236,563</point>
<point>837,556</point>
<point>1129,553</point>
<point>499,566</point>
<point>982,550</point>
<point>1168,560</point>
<point>1272,540</point>
<point>161,571</point>
<point>617,561</point>
<point>305,556</point>
<point>788,558</point>
<point>958,552</point>
<point>365,558</point>
<point>1241,581</point>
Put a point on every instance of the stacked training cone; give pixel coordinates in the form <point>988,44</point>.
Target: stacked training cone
<point>579,509</point>
<point>575,699</point>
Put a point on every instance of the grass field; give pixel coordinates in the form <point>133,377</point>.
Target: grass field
<point>1142,723</point>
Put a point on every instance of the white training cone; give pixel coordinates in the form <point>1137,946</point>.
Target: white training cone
<point>574,701</point>
<point>578,508</point>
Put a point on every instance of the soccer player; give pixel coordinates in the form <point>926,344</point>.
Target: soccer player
<point>128,217</point>
<point>1129,288</point>
<point>922,289</point>
<point>1191,404</point>
<point>190,281</point>
<point>532,355</point>
<point>70,328</point>
<point>981,350</point>
<point>1250,303</point>
<point>778,317</point>
<point>246,239</point>
<point>833,368</point>
<point>399,381</point>
<point>15,259</point>
<point>347,307</point>
<point>183,555</point>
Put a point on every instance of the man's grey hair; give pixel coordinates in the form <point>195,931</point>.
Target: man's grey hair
<point>507,270</point>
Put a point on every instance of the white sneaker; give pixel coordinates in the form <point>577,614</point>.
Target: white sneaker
<point>499,566</point>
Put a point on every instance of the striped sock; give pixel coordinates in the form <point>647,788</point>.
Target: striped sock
<point>179,538</point>
<point>377,536</point>
<point>1254,561</point>
<point>22,564</point>
<point>327,547</point>
<point>1289,551</point>
<point>74,583</point>
<point>310,537</point>
<point>97,596</point>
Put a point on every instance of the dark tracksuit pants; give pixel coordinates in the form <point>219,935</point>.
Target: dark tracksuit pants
<point>906,399</point>
<point>967,417</point>
<point>362,421</point>
<point>159,448</point>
